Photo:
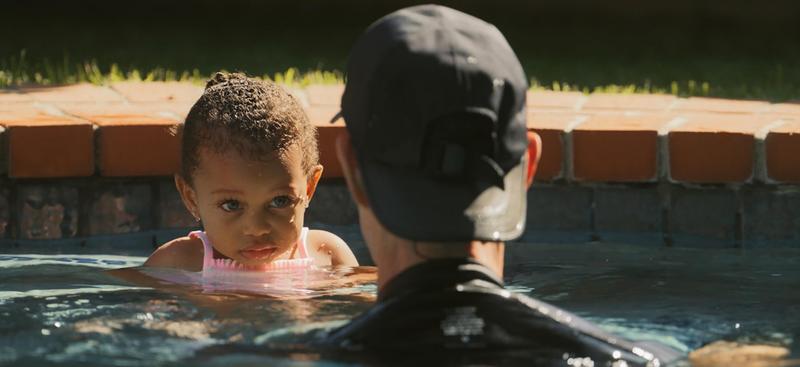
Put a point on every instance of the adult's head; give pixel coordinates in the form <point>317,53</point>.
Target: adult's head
<point>437,157</point>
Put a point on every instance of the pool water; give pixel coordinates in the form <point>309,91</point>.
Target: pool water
<point>73,310</point>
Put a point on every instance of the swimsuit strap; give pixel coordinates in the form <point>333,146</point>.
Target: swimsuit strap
<point>208,249</point>
<point>302,243</point>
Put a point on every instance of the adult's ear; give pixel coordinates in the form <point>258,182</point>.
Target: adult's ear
<point>188,195</point>
<point>312,181</point>
<point>352,175</point>
<point>534,153</point>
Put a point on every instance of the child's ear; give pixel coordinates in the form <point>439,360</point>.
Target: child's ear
<point>313,180</point>
<point>188,196</point>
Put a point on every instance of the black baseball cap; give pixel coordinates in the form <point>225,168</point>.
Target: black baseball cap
<point>435,107</point>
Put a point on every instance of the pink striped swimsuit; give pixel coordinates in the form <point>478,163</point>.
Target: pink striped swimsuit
<point>216,268</point>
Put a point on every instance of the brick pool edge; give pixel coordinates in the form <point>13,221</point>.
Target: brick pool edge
<point>84,161</point>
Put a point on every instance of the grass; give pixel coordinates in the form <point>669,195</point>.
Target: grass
<point>764,66</point>
<point>18,71</point>
<point>689,88</point>
<point>737,50</point>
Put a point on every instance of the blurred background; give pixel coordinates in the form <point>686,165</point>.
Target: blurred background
<point>732,49</point>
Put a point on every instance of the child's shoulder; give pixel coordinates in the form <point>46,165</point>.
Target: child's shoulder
<point>329,249</point>
<point>183,253</point>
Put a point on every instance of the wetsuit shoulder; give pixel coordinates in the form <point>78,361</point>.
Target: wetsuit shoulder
<point>481,322</point>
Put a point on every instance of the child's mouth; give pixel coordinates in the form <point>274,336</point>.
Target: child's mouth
<point>258,252</point>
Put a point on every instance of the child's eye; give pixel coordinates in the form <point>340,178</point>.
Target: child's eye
<point>283,201</point>
<point>230,205</point>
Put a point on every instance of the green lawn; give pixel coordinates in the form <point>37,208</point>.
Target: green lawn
<point>688,59</point>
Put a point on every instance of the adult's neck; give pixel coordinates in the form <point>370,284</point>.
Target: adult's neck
<point>394,255</point>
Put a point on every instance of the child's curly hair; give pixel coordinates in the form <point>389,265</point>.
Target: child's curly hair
<point>252,116</point>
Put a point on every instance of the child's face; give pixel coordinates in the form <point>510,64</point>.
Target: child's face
<point>252,211</point>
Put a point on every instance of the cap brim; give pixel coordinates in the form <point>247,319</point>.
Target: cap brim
<point>417,207</point>
<point>336,117</point>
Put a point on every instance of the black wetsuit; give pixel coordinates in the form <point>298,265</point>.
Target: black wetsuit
<point>455,311</point>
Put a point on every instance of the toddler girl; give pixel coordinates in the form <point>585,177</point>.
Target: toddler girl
<point>249,168</point>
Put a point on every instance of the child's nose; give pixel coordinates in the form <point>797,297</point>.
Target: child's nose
<point>258,224</point>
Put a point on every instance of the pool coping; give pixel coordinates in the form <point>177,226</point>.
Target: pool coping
<point>121,142</point>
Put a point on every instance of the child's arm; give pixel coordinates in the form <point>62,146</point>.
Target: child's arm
<point>181,253</point>
<point>324,244</point>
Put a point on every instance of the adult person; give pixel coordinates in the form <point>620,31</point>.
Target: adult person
<point>438,159</point>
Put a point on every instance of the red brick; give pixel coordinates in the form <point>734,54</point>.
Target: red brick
<point>12,112</point>
<point>151,92</point>
<point>550,127</point>
<point>617,148</point>
<point>325,95</point>
<point>783,153</point>
<point>47,211</point>
<point>171,211</point>
<point>5,210</point>
<point>16,110</point>
<point>136,145</point>
<point>118,208</point>
<point>11,96</point>
<point>85,93</point>
<point>328,133</point>
<point>719,105</point>
<point>714,148</point>
<point>176,110</point>
<point>179,109</point>
<point>299,94</point>
<point>47,146</point>
<point>84,110</point>
<point>555,100</point>
<point>629,102</point>
<point>3,161</point>
<point>786,109</point>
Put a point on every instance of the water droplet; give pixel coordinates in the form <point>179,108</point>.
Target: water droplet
<point>616,354</point>
<point>738,325</point>
<point>45,332</point>
<point>57,324</point>
<point>472,60</point>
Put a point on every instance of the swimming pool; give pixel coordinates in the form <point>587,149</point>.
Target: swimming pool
<point>69,310</point>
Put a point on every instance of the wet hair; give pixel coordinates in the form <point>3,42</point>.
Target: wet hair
<point>251,117</point>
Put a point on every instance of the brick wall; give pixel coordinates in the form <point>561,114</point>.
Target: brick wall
<point>83,161</point>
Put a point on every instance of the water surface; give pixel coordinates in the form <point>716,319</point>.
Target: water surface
<point>72,310</point>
